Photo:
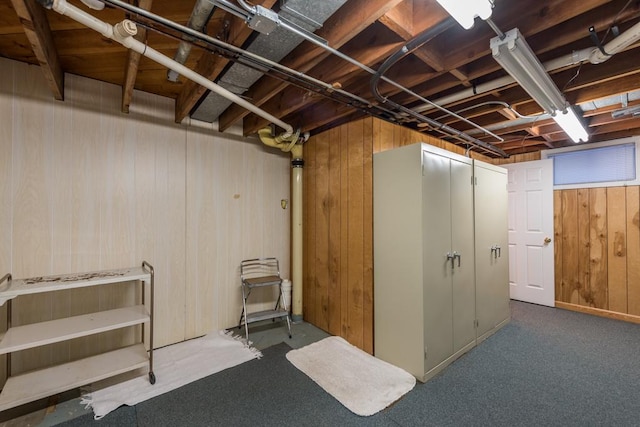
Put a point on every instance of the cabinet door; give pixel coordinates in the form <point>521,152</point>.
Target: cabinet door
<point>462,273</point>
<point>492,267</point>
<point>438,314</point>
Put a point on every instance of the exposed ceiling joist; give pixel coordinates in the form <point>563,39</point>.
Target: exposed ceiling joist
<point>131,69</point>
<point>36,27</point>
<point>452,66</point>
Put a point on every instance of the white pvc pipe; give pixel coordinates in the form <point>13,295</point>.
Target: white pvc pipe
<point>616,45</point>
<point>123,32</point>
<point>296,150</point>
<point>296,243</point>
<point>593,55</point>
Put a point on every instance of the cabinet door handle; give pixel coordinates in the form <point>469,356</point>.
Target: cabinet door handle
<point>451,257</point>
<point>456,255</point>
<point>496,251</point>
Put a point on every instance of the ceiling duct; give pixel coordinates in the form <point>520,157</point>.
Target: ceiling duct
<point>275,46</point>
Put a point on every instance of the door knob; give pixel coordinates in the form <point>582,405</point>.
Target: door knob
<point>547,240</point>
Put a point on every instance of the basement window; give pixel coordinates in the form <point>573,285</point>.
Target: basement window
<point>603,165</point>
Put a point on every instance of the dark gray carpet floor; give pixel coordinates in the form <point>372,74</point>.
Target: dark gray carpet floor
<point>547,367</point>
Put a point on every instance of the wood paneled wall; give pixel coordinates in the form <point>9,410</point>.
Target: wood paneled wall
<point>338,224</point>
<point>597,248</point>
<point>597,244</point>
<point>84,187</point>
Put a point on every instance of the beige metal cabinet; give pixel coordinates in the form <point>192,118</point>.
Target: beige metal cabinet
<point>424,290</point>
<point>492,248</point>
<point>428,305</point>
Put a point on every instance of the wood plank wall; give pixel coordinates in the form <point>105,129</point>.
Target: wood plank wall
<point>338,224</point>
<point>596,248</point>
<point>597,256</point>
<point>84,187</point>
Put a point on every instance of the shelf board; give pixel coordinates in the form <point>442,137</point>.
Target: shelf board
<point>43,333</point>
<point>34,385</point>
<point>35,285</point>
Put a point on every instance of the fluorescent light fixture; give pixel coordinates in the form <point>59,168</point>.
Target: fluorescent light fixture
<point>513,53</point>
<point>465,11</point>
<point>569,122</point>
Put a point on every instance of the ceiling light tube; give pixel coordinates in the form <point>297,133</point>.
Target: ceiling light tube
<point>571,125</point>
<point>465,11</point>
<point>513,53</point>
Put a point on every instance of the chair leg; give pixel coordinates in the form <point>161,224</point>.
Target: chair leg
<point>284,306</point>
<point>244,314</point>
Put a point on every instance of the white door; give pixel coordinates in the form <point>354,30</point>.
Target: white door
<point>530,188</point>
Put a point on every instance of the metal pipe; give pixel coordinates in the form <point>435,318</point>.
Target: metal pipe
<point>199,17</point>
<point>405,50</point>
<point>387,80</point>
<point>123,33</point>
<point>495,28</point>
<point>412,45</point>
<point>246,6</point>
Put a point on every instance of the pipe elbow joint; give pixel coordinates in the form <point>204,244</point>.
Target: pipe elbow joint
<point>296,152</point>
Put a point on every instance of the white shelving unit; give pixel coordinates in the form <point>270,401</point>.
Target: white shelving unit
<point>33,385</point>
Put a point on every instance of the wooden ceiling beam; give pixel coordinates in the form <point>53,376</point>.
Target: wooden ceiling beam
<point>613,135</point>
<point>627,124</point>
<point>210,66</point>
<point>606,89</point>
<point>133,61</point>
<point>34,21</point>
<point>350,20</point>
<point>400,20</point>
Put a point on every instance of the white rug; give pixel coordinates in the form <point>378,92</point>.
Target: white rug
<point>362,383</point>
<point>174,366</point>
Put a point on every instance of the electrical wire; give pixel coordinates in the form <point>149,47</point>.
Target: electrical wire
<point>613,22</point>
<point>572,78</point>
